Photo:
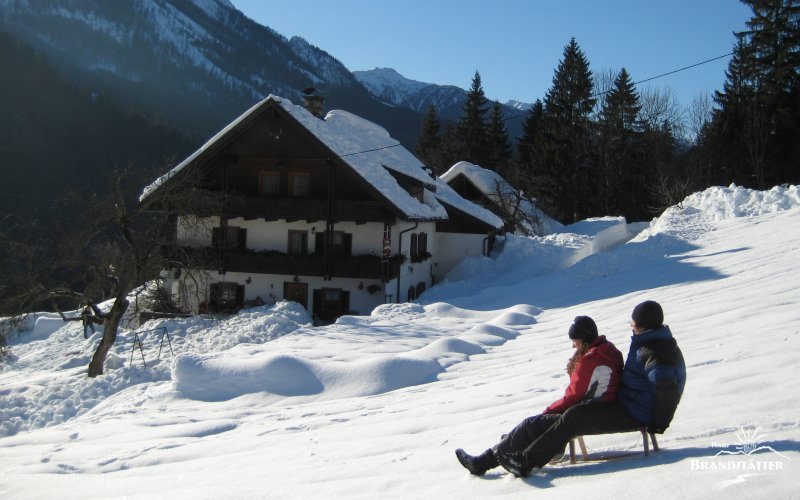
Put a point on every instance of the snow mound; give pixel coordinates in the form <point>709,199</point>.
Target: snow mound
<point>698,212</point>
<point>720,203</point>
<point>236,373</point>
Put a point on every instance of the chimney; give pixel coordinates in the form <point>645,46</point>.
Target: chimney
<point>314,102</point>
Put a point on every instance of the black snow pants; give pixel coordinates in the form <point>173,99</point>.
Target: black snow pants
<point>542,437</point>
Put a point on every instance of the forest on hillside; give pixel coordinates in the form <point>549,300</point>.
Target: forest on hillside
<point>595,145</point>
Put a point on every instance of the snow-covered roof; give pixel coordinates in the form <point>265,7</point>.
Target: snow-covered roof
<point>446,195</point>
<point>369,150</point>
<point>486,181</point>
<point>493,186</point>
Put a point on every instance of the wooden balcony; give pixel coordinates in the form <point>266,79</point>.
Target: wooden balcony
<point>341,266</point>
<point>308,209</point>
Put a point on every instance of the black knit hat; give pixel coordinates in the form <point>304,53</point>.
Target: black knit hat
<point>648,315</point>
<point>583,328</point>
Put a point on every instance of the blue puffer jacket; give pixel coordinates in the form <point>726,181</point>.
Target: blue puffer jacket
<point>653,378</point>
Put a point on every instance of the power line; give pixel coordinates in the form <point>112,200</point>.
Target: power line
<point>662,75</point>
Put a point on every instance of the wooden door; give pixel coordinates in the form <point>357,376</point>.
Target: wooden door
<point>297,292</point>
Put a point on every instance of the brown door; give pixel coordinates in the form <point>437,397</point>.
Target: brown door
<point>297,292</point>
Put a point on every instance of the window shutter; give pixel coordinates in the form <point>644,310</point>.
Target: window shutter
<point>317,306</point>
<point>344,302</point>
<point>319,243</point>
<point>242,243</point>
<point>348,244</point>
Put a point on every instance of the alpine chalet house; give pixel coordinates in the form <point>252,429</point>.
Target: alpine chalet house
<point>328,211</point>
<point>490,190</point>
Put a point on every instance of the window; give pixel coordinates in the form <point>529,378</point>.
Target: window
<point>299,184</point>
<point>419,247</point>
<point>420,288</point>
<point>226,296</point>
<point>330,303</point>
<point>341,243</point>
<point>230,237</point>
<point>412,293</point>
<point>298,242</point>
<point>416,192</point>
<point>269,183</point>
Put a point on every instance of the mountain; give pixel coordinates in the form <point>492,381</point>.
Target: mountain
<point>56,138</point>
<point>195,63</point>
<point>390,86</point>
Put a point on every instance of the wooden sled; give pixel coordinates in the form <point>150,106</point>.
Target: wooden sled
<point>585,457</point>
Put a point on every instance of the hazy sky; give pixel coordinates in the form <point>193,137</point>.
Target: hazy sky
<point>516,44</point>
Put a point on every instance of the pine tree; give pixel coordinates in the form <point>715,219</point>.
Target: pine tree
<point>429,139</point>
<point>499,146</point>
<point>531,132</point>
<point>472,127</point>
<point>618,171</point>
<point>773,39</point>
<point>563,158</point>
<point>752,139</point>
<point>734,139</point>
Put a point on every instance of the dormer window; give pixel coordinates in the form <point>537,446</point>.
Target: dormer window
<point>299,183</point>
<point>417,192</point>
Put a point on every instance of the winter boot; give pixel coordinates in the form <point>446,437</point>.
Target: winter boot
<point>477,465</point>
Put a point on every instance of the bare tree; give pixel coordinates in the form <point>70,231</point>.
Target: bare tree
<point>668,192</point>
<point>117,245</point>
<point>660,110</point>
<point>603,84</point>
<point>699,114</point>
<point>519,212</point>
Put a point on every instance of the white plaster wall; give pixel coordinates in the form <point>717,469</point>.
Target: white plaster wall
<point>412,273</point>
<point>453,248</point>
<point>270,288</point>
<point>274,235</point>
<point>196,233</point>
<point>447,249</point>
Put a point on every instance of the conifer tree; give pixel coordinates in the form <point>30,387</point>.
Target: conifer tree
<point>773,40</point>
<point>562,161</point>
<point>752,139</point>
<point>732,137</point>
<point>429,139</point>
<point>472,127</point>
<point>531,132</point>
<point>499,146</point>
<point>618,169</point>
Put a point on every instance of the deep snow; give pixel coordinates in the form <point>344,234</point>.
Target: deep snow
<point>264,405</point>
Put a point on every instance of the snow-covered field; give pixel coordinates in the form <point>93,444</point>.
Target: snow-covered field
<point>262,405</point>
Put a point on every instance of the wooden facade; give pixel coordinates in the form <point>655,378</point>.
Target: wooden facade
<point>293,218</point>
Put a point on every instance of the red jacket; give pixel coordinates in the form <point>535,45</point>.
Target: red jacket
<point>596,378</point>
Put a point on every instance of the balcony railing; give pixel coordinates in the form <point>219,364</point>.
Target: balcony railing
<point>342,266</point>
<point>306,209</point>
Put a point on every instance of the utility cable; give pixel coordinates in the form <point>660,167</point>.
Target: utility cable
<point>597,94</point>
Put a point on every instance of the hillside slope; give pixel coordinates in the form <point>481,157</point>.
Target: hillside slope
<point>374,406</point>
